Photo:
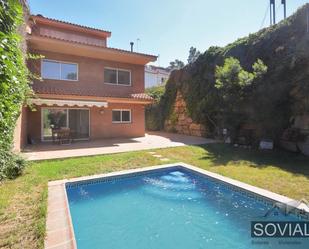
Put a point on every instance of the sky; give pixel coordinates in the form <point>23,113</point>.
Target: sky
<point>167,28</point>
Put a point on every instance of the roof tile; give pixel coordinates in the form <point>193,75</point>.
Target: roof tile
<point>69,23</point>
<point>40,89</point>
<point>108,48</point>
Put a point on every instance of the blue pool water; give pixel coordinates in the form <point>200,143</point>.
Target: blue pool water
<point>168,209</point>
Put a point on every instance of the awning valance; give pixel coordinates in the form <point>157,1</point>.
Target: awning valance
<point>70,103</point>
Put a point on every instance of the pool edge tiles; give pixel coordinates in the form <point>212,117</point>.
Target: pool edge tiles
<point>62,236</point>
<point>59,226</point>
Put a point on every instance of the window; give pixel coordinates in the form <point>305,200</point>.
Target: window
<point>124,77</point>
<point>50,70</point>
<point>117,76</point>
<point>110,76</point>
<point>121,116</point>
<point>56,70</point>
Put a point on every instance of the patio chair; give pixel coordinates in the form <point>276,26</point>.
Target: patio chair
<point>64,136</point>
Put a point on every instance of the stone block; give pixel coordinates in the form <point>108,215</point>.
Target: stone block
<point>189,120</point>
<point>181,117</point>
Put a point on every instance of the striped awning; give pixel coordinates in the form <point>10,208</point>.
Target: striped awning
<point>70,103</point>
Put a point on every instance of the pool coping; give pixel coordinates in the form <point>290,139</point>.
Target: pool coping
<point>59,226</point>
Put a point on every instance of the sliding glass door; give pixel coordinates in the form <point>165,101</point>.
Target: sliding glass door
<point>79,123</point>
<point>56,118</point>
<point>53,118</point>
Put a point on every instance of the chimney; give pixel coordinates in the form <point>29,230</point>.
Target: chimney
<point>132,44</point>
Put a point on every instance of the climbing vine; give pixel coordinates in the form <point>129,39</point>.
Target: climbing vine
<point>14,86</point>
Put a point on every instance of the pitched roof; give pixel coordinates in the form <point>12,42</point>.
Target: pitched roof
<point>44,19</point>
<point>93,92</point>
<point>107,48</point>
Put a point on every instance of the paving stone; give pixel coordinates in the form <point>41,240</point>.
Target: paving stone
<point>158,156</point>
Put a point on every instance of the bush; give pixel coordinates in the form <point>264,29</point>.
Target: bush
<point>153,112</point>
<point>11,165</point>
<point>14,86</point>
<point>153,118</point>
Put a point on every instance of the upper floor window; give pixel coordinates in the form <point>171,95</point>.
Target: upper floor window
<point>57,70</point>
<point>117,76</point>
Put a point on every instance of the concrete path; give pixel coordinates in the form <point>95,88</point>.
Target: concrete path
<point>152,140</point>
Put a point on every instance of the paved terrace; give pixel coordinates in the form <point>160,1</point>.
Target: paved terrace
<point>152,140</point>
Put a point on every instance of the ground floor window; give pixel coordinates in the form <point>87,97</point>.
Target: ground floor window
<point>121,116</point>
<point>77,120</point>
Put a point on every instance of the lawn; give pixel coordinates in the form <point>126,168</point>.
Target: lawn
<point>23,200</point>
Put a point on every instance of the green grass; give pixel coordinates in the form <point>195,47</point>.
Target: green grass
<point>23,200</point>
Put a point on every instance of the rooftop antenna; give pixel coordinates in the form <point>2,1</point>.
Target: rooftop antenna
<point>284,7</point>
<point>137,44</point>
<point>270,14</point>
<point>273,11</point>
<point>307,18</point>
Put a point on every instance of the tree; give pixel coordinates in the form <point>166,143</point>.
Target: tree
<point>193,55</point>
<point>232,83</point>
<point>156,92</point>
<point>231,76</point>
<point>176,64</point>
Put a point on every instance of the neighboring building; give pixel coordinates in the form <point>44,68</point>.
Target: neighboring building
<point>92,89</point>
<point>155,76</point>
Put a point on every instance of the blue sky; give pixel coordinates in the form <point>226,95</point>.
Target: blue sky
<point>166,27</point>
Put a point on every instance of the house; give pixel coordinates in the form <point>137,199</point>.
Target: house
<point>155,76</point>
<point>91,89</point>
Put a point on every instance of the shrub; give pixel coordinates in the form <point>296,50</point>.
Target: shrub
<point>11,165</point>
<point>14,86</point>
<point>153,112</point>
<point>153,118</point>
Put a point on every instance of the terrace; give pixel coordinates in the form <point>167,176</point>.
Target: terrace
<point>152,140</point>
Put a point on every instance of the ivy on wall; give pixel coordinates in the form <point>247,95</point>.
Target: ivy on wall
<point>14,86</point>
<point>269,101</point>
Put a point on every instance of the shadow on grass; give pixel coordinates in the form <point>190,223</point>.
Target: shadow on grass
<point>222,154</point>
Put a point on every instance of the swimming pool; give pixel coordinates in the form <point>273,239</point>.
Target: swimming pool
<point>170,207</point>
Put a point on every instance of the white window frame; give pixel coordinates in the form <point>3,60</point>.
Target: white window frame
<point>60,62</point>
<point>122,122</point>
<point>118,69</point>
<point>68,124</point>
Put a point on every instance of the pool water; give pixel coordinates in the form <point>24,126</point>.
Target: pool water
<point>163,210</point>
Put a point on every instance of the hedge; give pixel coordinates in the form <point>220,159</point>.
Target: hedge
<point>14,86</point>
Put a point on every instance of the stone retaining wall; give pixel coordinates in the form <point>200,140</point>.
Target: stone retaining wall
<point>180,121</point>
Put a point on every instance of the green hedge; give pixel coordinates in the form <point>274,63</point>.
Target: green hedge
<point>153,112</point>
<point>14,85</point>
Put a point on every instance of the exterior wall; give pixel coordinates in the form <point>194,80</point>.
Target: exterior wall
<point>90,75</point>
<point>20,133</point>
<point>69,35</point>
<point>72,36</point>
<point>153,77</point>
<point>101,125</point>
<point>34,124</point>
